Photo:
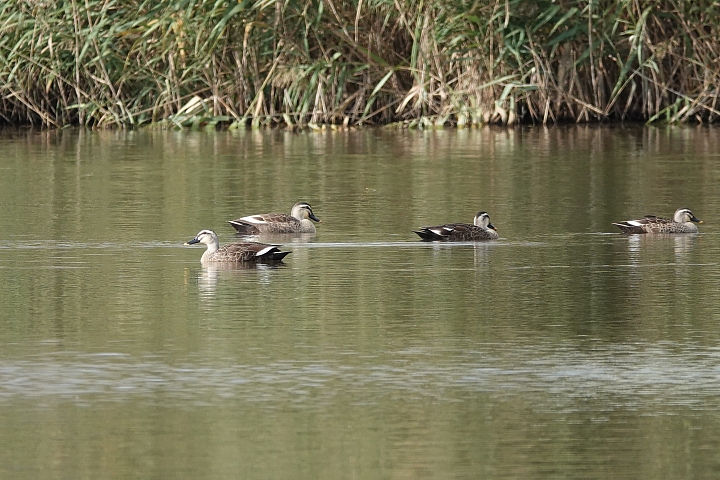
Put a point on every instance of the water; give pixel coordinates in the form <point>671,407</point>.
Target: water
<point>562,350</point>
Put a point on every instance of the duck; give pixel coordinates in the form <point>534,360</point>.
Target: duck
<point>481,229</point>
<point>275,223</point>
<point>682,222</point>
<point>235,252</point>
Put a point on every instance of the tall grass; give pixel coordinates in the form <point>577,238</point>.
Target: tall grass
<point>317,62</point>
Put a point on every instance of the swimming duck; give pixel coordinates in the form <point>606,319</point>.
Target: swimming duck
<point>297,222</point>
<point>235,252</point>
<point>461,232</point>
<point>682,222</point>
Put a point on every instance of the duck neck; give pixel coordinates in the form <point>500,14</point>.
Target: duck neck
<point>307,225</point>
<point>211,248</point>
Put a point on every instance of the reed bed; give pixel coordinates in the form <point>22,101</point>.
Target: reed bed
<point>312,63</point>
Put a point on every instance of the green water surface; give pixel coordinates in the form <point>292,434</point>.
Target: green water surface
<point>562,350</point>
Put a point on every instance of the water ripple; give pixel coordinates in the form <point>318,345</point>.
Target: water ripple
<point>632,377</point>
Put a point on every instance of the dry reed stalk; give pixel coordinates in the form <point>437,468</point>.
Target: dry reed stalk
<point>132,62</point>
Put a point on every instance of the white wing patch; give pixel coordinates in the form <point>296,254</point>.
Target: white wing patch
<point>256,219</point>
<point>264,251</point>
<point>634,223</point>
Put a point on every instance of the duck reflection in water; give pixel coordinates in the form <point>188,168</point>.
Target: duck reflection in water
<point>211,274</point>
<point>683,245</point>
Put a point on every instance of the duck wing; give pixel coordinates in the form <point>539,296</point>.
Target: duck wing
<point>251,252</point>
<point>647,224</point>
<point>465,232</point>
<point>449,231</point>
<point>255,224</point>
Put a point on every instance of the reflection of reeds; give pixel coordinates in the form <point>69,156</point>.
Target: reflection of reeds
<point>315,62</point>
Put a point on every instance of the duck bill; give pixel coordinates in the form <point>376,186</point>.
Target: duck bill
<point>313,217</point>
<point>192,242</point>
<point>490,225</point>
<point>693,219</point>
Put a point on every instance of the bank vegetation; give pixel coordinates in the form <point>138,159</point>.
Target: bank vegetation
<point>297,63</point>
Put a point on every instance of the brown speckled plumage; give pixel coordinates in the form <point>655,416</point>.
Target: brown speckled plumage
<point>278,223</point>
<point>682,222</point>
<point>235,252</point>
<point>461,232</point>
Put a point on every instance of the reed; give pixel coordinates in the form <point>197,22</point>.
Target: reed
<point>312,63</point>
